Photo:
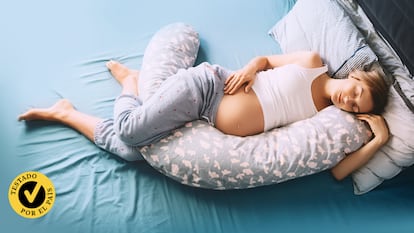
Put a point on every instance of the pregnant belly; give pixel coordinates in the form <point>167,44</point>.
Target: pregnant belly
<point>240,114</point>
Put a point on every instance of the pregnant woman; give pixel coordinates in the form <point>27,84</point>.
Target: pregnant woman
<point>270,91</point>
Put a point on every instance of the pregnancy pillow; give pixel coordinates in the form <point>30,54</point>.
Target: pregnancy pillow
<point>199,155</point>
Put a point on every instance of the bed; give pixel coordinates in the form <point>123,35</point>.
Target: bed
<point>57,50</point>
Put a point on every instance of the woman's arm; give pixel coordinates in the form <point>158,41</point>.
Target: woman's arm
<point>360,157</point>
<point>307,59</point>
<point>247,74</point>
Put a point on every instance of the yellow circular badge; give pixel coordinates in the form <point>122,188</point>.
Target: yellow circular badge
<point>31,194</point>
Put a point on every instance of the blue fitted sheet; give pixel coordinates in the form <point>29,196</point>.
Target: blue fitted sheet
<point>51,50</point>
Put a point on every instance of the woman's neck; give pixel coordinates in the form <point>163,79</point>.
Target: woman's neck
<point>322,89</point>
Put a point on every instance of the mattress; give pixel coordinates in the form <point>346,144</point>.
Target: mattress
<point>52,50</point>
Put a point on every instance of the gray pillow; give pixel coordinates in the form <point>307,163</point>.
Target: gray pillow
<point>201,156</point>
<point>322,26</point>
<point>174,46</point>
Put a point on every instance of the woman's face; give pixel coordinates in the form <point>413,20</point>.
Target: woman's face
<point>353,96</point>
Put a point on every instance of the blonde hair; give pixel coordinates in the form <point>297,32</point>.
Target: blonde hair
<point>375,80</point>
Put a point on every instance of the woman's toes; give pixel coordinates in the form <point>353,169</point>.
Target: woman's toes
<point>31,114</point>
<point>59,110</point>
<point>22,116</point>
<point>110,64</point>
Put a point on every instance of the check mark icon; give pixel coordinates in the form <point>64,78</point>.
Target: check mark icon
<point>31,196</point>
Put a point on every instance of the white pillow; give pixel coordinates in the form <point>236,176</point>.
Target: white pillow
<point>322,26</point>
<point>398,153</point>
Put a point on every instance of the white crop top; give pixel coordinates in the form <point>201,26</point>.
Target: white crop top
<point>285,94</point>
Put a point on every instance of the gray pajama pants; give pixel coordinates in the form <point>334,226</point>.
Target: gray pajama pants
<point>191,94</point>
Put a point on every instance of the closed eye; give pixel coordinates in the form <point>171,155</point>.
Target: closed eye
<point>358,91</point>
<point>361,91</point>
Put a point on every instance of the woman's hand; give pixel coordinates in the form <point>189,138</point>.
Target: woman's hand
<point>378,127</point>
<point>238,79</point>
<point>358,158</point>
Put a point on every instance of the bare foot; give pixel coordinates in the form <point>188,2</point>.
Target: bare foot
<point>57,112</point>
<point>121,72</point>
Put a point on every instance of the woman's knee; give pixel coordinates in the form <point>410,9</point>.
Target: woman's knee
<point>140,135</point>
<point>129,153</point>
<point>134,137</point>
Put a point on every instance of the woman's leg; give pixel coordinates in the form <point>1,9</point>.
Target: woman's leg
<point>63,112</point>
<point>97,130</point>
<point>188,95</point>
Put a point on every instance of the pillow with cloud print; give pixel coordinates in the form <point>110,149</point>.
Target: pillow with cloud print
<point>200,155</point>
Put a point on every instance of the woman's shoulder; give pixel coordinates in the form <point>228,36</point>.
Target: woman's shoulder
<point>310,59</point>
<point>314,60</point>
